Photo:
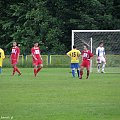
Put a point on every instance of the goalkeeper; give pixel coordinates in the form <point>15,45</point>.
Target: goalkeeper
<point>100,52</point>
<point>2,56</point>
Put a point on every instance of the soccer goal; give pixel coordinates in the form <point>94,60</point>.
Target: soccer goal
<point>110,38</point>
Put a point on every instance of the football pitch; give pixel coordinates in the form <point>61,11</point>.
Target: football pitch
<point>55,95</point>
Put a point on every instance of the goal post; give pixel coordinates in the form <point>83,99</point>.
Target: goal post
<point>92,38</point>
<point>91,51</point>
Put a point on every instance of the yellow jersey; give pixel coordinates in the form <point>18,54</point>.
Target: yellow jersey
<point>2,56</point>
<point>74,54</point>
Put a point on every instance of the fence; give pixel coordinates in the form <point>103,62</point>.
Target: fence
<point>59,61</point>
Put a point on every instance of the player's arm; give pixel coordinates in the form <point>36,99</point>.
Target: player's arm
<point>3,55</point>
<point>97,56</point>
<point>32,53</point>
<point>69,54</point>
<point>18,54</point>
<point>34,56</point>
<point>79,53</point>
<point>82,55</point>
<point>18,57</point>
<point>104,53</point>
<point>41,57</point>
<point>91,55</point>
<point>40,54</point>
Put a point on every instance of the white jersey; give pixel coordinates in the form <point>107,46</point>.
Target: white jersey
<point>100,52</point>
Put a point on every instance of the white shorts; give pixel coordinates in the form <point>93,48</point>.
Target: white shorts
<point>101,59</point>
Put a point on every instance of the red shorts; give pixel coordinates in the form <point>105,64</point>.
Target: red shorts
<point>86,64</point>
<point>37,62</point>
<point>14,62</point>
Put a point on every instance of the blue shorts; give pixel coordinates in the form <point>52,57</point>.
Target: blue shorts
<point>75,65</point>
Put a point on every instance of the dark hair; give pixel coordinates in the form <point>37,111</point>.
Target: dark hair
<point>74,46</point>
<point>86,45</point>
<point>101,43</point>
<point>15,42</point>
<point>35,42</point>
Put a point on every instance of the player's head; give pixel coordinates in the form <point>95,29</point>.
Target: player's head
<point>74,47</point>
<point>85,47</point>
<point>101,44</point>
<point>36,44</point>
<point>14,44</point>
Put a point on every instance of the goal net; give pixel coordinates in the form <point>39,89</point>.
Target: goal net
<point>110,38</point>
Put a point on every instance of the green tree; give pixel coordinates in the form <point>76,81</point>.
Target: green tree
<point>50,21</point>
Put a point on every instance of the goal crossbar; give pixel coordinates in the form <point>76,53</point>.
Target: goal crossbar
<point>73,31</point>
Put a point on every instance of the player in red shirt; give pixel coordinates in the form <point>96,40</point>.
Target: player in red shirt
<point>14,58</point>
<point>37,59</point>
<point>86,56</point>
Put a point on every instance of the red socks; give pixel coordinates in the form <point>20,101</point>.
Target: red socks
<point>36,71</point>
<point>88,72</point>
<point>18,70</point>
<point>15,69</point>
<point>81,73</point>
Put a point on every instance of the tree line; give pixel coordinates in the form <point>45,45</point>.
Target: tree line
<point>50,22</point>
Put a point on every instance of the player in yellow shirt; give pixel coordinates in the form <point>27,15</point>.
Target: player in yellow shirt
<point>74,54</point>
<point>2,56</point>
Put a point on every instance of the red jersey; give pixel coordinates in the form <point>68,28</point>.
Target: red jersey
<point>36,52</point>
<point>15,53</point>
<point>86,55</point>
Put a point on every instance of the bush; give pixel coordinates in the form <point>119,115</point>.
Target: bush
<point>60,61</point>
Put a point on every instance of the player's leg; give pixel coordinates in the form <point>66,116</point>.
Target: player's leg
<point>78,72</point>
<point>81,71</point>
<point>103,66</point>
<point>98,64</point>
<point>40,66</point>
<point>35,65</point>
<point>78,69</point>
<point>73,72</point>
<point>73,69</point>
<point>13,63</point>
<point>88,72</point>
<point>88,68</point>
<point>18,71</point>
<point>0,69</point>
<point>0,66</point>
<point>14,68</point>
<point>35,70</point>
<point>98,67</point>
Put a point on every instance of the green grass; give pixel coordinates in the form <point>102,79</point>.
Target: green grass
<point>55,95</point>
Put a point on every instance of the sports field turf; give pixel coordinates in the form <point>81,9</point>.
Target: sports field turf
<point>55,95</point>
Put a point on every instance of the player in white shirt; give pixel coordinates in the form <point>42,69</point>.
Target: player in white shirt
<point>100,53</point>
